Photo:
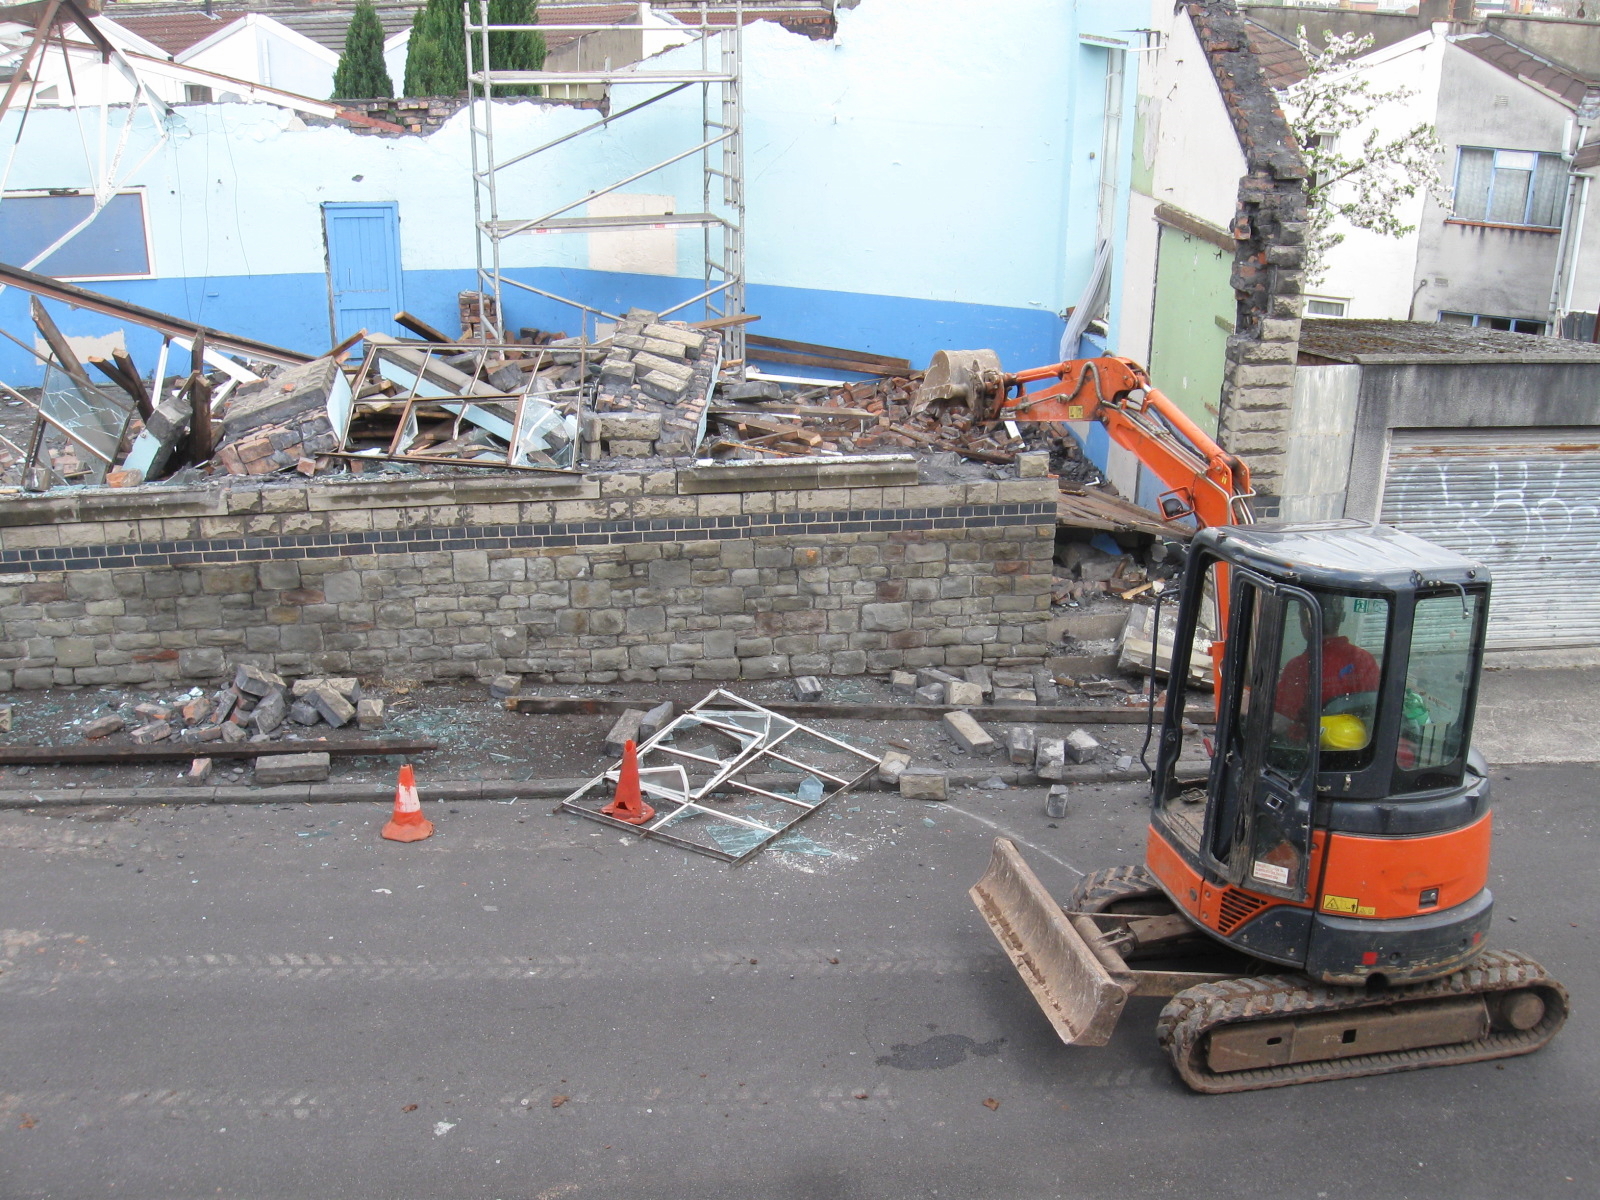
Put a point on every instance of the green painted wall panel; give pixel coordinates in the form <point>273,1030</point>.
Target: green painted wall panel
<point>1194,310</point>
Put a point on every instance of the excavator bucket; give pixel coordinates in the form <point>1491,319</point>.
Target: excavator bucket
<point>1061,969</point>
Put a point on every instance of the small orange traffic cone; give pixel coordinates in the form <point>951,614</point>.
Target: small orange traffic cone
<point>408,824</point>
<point>627,805</point>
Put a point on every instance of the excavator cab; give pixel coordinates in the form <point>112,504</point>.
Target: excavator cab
<point>1344,720</point>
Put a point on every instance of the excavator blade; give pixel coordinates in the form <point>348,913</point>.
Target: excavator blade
<point>1061,969</point>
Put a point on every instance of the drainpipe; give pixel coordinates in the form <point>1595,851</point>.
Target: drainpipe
<point>1587,115</point>
<point>1577,248</point>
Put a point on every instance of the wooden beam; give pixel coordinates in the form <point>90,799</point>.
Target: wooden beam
<point>725,322</point>
<point>202,438</point>
<point>113,372</point>
<point>757,354</point>
<point>125,360</point>
<point>421,328</point>
<point>59,346</point>
<point>132,755</point>
<point>815,351</point>
<point>1002,713</point>
<point>339,350</point>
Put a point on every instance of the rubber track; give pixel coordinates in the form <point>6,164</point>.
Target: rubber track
<point>1192,1014</point>
<point>1098,891</point>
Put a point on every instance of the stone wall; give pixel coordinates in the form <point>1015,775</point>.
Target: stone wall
<point>715,572</point>
<point>1269,233</point>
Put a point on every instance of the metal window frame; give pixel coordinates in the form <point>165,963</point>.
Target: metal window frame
<point>1488,197</point>
<point>138,190</point>
<point>759,746</point>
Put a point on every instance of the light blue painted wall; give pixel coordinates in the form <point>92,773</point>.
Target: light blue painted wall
<point>923,181</point>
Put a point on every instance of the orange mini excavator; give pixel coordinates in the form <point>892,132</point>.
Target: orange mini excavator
<point>1314,901</point>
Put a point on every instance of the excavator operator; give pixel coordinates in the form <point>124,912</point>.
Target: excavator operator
<point>1347,671</point>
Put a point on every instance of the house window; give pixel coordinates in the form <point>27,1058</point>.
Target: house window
<point>1483,321</point>
<point>1510,187</point>
<point>197,93</point>
<point>1322,306</point>
<point>114,243</point>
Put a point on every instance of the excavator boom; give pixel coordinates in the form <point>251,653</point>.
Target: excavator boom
<point>1204,480</point>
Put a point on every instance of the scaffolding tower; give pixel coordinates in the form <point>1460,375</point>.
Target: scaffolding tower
<point>716,29</point>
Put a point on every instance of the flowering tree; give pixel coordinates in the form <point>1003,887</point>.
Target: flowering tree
<point>1362,182</point>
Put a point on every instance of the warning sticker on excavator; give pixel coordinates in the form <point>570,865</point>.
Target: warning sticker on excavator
<point>1271,873</point>
<point>1347,904</point>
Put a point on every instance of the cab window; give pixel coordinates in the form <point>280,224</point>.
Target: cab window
<point>1355,634</point>
<point>1439,681</point>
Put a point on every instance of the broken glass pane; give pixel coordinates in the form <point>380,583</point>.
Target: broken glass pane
<point>92,418</point>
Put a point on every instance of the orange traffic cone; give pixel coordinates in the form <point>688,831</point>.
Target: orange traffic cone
<point>408,824</point>
<point>627,805</point>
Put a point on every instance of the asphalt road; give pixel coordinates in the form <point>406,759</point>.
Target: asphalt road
<point>263,1002</point>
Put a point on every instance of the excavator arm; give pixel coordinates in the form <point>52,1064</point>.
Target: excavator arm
<point>1204,481</point>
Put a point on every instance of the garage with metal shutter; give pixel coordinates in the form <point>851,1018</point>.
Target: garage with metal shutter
<point>1525,502</point>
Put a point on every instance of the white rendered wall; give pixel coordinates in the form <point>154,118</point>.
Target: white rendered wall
<point>1377,274</point>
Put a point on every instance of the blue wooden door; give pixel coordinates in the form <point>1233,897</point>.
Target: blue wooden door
<point>363,266</point>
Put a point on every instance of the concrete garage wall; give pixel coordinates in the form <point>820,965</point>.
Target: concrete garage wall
<point>1472,396</point>
<point>714,573</point>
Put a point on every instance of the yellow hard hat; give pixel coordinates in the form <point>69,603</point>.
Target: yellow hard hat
<point>1343,731</point>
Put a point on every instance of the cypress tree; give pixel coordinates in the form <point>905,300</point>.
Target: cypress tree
<point>361,73</point>
<point>436,62</point>
<point>522,50</point>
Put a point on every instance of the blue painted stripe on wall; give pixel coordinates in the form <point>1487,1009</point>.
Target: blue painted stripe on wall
<point>292,311</point>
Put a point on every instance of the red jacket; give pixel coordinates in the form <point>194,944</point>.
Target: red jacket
<point>1346,670</point>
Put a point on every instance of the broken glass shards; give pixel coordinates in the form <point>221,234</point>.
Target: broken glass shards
<point>728,777</point>
<point>94,420</point>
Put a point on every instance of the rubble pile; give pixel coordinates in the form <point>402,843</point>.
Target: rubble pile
<point>868,416</point>
<point>257,706</point>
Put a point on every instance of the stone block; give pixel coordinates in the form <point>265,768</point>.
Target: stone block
<point>923,783</point>
<point>903,684</point>
<point>808,689</point>
<point>1055,801</point>
<point>625,729</point>
<point>1081,745</point>
<point>331,706</point>
<point>268,715</point>
<point>102,726</point>
<point>292,768</point>
<point>892,765</point>
<point>967,733</point>
<point>1050,760</point>
<point>156,731</point>
<point>343,587</point>
<point>979,674</point>
<point>502,687</point>
<point>1044,686</point>
<point>656,720</point>
<point>202,662</point>
<point>1021,745</point>
<point>222,704</point>
<point>253,681</point>
<point>931,693</point>
<point>886,618</point>
<point>232,733</point>
<point>1015,696</point>
<point>369,713</point>
<point>1006,678</point>
<point>153,712</point>
<point>303,712</point>
<point>963,694</point>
